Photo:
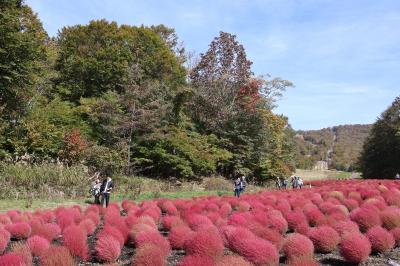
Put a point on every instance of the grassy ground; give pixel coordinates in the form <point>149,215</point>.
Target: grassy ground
<point>152,188</point>
<point>54,203</point>
<point>324,174</point>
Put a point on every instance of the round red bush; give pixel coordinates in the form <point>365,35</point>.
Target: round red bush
<point>204,243</point>
<point>20,230</point>
<point>57,256</point>
<point>152,237</point>
<point>3,244</point>
<point>259,252</point>
<point>355,247</point>
<point>196,260</point>
<point>324,238</point>
<point>344,227</point>
<point>108,248</point>
<point>235,237</point>
<point>277,223</point>
<point>150,255</point>
<point>179,235</point>
<point>302,262</point>
<point>38,245</point>
<point>109,230</point>
<point>390,218</point>
<point>5,234</point>
<point>294,218</point>
<point>381,240</point>
<point>88,225</point>
<point>297,245</point>
<point>233,260</point>
<point>23,251</point>
<point>396,235</point>
<point>171,221</point>
<point>350,204</point>
<point>11,259</point>
<point>271,235</point>
<point>315,217</point>
<point>302,228</point>
<point>74,238</point>
<point>50,231</point>
<point>366,218</point>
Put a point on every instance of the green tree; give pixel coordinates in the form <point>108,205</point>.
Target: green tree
<point>22,48</point>
<point>95,58</point>
<point>380,157</point>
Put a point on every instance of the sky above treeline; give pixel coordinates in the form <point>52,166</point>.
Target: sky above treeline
<point>343,56</point>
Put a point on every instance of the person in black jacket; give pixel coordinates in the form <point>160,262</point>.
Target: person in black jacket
<point>105,190</point>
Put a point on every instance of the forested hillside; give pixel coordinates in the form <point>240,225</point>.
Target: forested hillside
<point>119,98</point>
<point>340,146</point>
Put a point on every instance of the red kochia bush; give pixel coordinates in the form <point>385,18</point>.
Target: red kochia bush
<point>390,218</point>
<point>74,238</point>
<point>57,256</point>
<point>355,247</point>
<point>107,248</point>
<point>192,260</point>
<point>179,235</point>
<point>236,236</point>
<point>344,227</point>
<point>295,218</point>
<point>233,260</point>
<point>297,245</point>
<point>259,251</point>
<point>197,220</point>
<point>381,240</point>
<point>324,238</point>
<point>396,235</point>
<point>204,243</point>
<point>24,252</point>
<point>38,245</point>
<point>271,235</point>
<point>171,221</point>
<point>365,218</point>
<point>3,243</point>
<point>88,225</point>
<point>150,255</point>
<point>114,232</point>
<point>49,231</point>
<point>20,230</point>
<point>11,259</point>
<point>152,237</point>
<point>302,262</point>
<point>5,234</point>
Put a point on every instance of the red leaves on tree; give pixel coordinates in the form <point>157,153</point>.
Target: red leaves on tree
<point>74,146</point>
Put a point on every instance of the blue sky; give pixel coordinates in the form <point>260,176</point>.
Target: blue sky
<point>342,55</point>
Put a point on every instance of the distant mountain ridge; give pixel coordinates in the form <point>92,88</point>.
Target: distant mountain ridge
<point>335,147</point>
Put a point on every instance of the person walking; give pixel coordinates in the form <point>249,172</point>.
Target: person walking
<point>105,190</point>
<point>300,182</point>
<point>95,191</point>
<point>243,184</point>
<point>278,183</point>
<point>237,187</point>
<point>284,183</point>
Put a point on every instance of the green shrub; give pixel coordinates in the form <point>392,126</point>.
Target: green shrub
<point>217,183</point>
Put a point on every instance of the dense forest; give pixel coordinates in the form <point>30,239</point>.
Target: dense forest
<point>128,99</point>
<point>340,146</point>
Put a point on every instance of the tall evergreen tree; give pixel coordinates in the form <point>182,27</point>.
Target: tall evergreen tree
<point>380,157</point>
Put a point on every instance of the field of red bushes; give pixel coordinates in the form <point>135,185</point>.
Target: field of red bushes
<point>331,223</point>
